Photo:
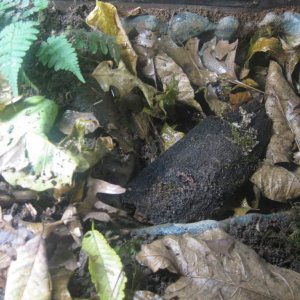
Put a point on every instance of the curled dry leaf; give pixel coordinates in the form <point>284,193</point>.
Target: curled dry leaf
<point>122,79</point>
<point>67,121</point>
<point>101,186</point>
<point>188,59</point>
<point>105,18</point>
<point>168,71</point>
<point>95,186</point>
<point>146,47</point>
<point>277,183</point>
<point>264,44</point>
<point>28,276</point>
<point>283,107</point>
<point>214,266</point>
<point>220,57</point>
<point>292,60</point>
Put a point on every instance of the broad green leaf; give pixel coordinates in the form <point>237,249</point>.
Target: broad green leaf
<point>105,267</point>
<point>35,114</point>
<point>28,277</point>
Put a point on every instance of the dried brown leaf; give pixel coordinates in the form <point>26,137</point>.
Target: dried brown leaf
<point>168,71</point>
<point>214,266</point>
<point>146,47</point>
<point>277,183</point>
<point>28,276</point>
<point>122,79</point>
<point>188,59</point>
<point>283,107</point>
<point>220,57</point>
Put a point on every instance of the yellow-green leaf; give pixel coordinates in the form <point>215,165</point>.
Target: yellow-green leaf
<point>105,18</point>
<point>264,44</point>
<point>105,267</point>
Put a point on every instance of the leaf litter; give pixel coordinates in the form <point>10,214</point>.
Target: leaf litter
<point>166,77</point>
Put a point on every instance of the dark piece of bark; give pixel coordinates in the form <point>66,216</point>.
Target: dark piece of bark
<point>201,173</point>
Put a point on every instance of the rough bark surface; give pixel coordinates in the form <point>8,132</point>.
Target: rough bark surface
<point>201,173</point>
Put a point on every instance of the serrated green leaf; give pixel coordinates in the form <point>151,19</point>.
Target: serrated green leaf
<point>57,52</point>
<point>105,267</point>
<point>15,40</point>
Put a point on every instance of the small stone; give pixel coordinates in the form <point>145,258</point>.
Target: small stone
<point>291,23</point>
<point>270,18</point>
<point>186,25</point>
<point>226,28</point>
<point>142,23</point>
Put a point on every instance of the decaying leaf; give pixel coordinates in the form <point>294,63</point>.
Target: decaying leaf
<point>122,79</point>
<point>105,18</point>
<point>188,59</point>
<point>61,266</point>
<point>277,183</point>
<point>37,164</point>
<point>283,107</point>
<point>170,136</point>
<point>104,211</point>
<point>291,62</point>
<point>168,71</point>
<point>243,209</point>
<point>28,276</point>
<point>240,98</point>
<point>67,121</point>
<point>215,104</point>
<point>214,266</point>
<point>220,57</point>
<point>71,219</point>
<point>264,44</point>
<point>105,267</point>
<point>86,151</point>
<point>35,114</point>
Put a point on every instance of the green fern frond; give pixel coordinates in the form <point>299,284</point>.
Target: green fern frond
<point>57,52</point>
<point>15,10</point>
<point>94,41</point>
<point>15,40</point>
